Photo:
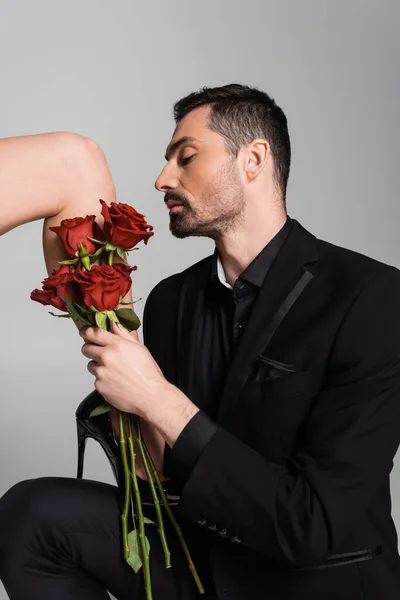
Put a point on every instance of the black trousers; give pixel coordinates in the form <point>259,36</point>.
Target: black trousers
<point>60,540</point>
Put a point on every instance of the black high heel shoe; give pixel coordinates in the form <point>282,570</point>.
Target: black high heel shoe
<point>99,428</point>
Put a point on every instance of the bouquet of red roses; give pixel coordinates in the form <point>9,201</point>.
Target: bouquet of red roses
<point>89,287</point>
<point>92,292</point>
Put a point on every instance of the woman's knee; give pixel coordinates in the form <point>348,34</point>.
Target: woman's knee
<point>11,500</point>
<point>25,506</point>
<point>48,506</point>
<point>28,493</point>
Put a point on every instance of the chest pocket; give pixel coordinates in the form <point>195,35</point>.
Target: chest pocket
<point>279,379</point>
<point>274,404</point>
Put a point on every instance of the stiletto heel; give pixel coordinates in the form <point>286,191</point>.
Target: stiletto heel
<point>82,434</point>
<point>99,428</point>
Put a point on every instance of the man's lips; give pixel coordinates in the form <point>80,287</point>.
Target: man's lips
<point>172,203</point>
<point>175,209</point>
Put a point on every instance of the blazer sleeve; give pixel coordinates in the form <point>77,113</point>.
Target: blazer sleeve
<point>296,513</point>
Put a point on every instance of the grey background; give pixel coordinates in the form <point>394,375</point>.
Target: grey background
<point>111,71</point>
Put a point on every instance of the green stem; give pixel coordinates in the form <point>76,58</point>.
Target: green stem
<point>133,514</point>
<point>124,516</point>
<point>175,525</point>
<point>139,512</point>
<point>156,500</point>
<point>110,257</point>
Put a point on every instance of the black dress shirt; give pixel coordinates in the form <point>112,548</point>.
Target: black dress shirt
<point>222,321</point>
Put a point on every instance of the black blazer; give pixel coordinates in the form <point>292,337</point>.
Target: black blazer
<point>293,488</point>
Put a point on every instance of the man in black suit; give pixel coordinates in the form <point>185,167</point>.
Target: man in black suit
<point>277,407</point>
<point>290,346</point>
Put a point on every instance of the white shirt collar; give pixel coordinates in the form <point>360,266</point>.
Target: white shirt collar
<point>221,274</point>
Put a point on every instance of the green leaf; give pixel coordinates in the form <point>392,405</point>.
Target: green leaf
<point>85,260</point>
<point>101,320</point>
<point>99,410</point>
<point>75,311</point>
<point>73,261</point>
<point>96,241</point>
<point>149,521</point>
<point>128,318</point>
<point>127,324</point>
<point>126,302</point>
<point>84,309</point>
<point>110,247</point>
<point>134,559</point>
<point>60,316</point>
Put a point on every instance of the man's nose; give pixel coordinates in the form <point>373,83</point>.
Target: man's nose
<point>166,180</point>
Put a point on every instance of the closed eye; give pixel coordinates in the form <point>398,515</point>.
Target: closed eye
<point>187,159</point>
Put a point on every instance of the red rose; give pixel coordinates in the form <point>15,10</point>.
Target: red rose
<point>124,226</point>
<point>59,283</point>
<point>74,231</point>
<point>103,285</point>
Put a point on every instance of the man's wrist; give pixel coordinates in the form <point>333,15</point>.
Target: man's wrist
<point>181,459</point>
<point>170,411</point>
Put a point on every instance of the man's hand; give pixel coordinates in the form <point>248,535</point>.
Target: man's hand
<point>126,374</point>
<point>128,378</point>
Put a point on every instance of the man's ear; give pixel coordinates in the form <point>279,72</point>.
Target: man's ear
<point>256,156</point>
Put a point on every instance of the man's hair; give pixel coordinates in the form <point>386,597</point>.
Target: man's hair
<point>241,114</point>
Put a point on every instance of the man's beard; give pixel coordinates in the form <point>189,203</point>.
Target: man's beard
<point>224,200</point>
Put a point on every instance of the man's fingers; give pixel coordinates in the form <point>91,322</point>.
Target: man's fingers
<point>96,335</point>
<point>134,334</point>
<point>92,351</point>
<point>121,330</point>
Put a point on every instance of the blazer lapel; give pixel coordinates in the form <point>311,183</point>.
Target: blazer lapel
<point>284,284</point>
